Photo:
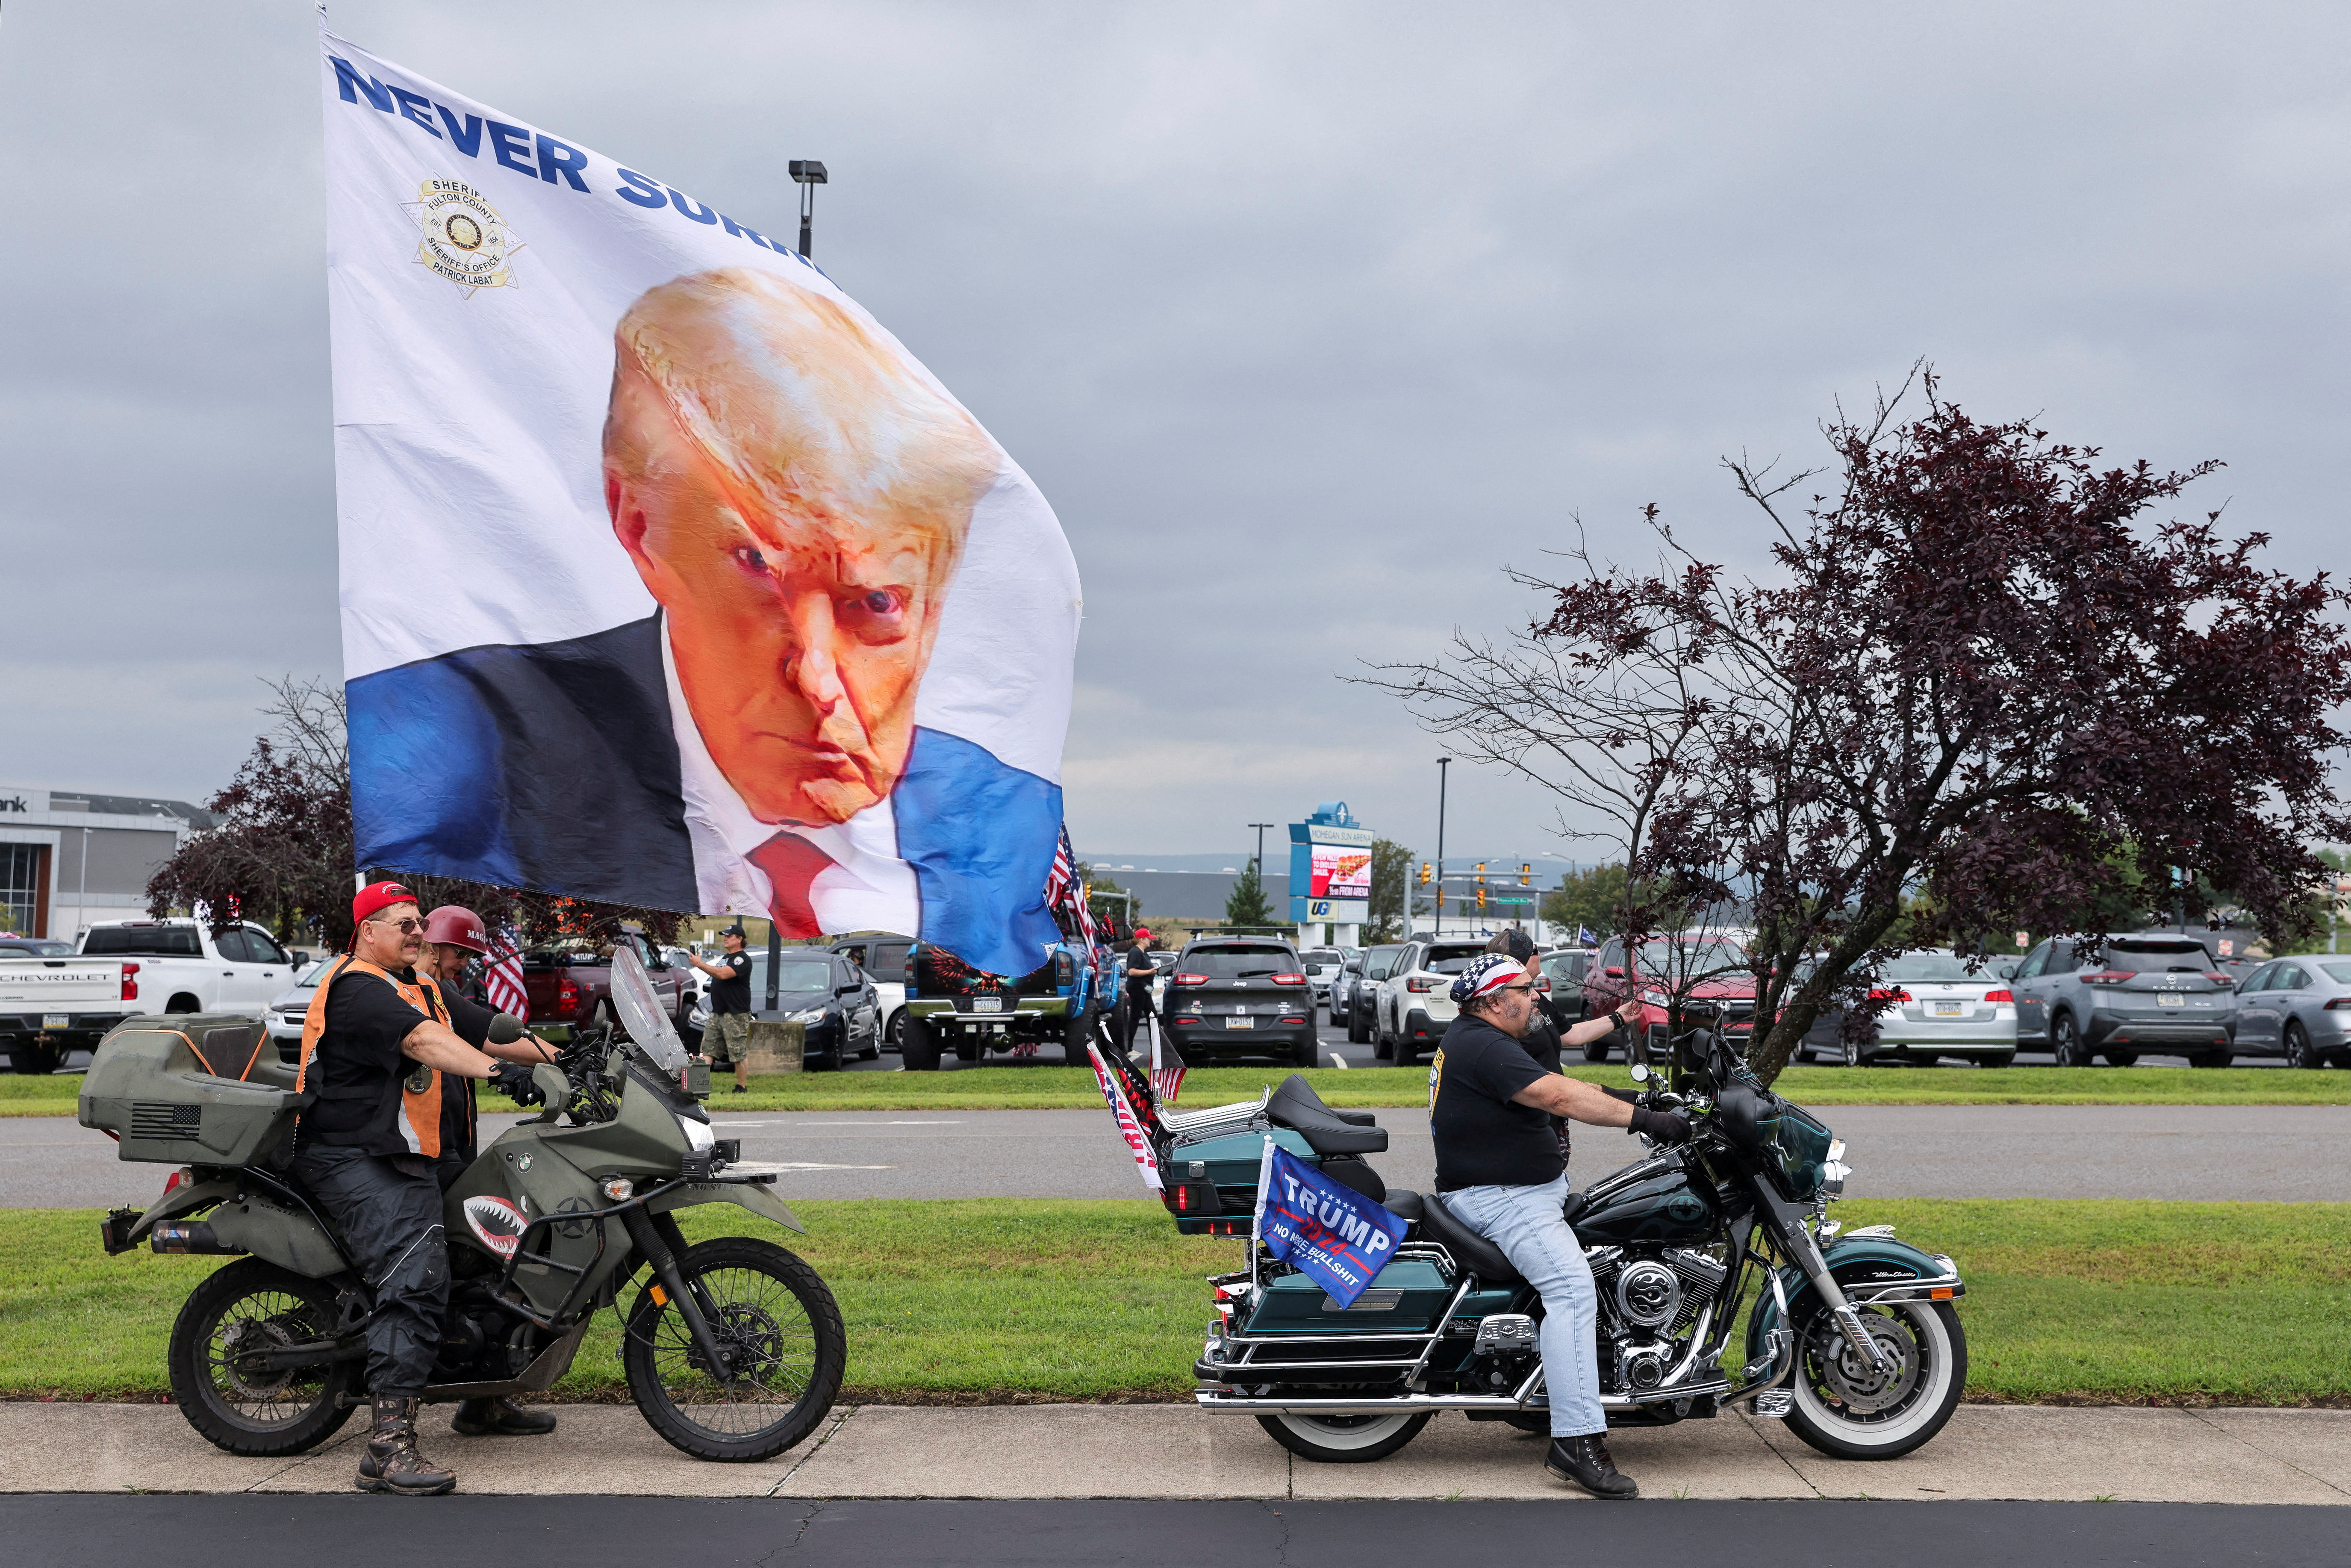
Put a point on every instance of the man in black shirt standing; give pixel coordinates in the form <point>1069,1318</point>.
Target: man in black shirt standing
<point>1140,973</point>
<point>730,1008</point>
<point>1499,1167</point>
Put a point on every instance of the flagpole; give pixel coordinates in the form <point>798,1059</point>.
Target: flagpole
<point>1256,1219</point>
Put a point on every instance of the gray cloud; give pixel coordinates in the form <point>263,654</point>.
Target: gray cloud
<point>1306,317</point>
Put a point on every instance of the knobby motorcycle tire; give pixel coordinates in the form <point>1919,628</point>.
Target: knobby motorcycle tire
<point>305,1425</point>
<point>799,1419</point>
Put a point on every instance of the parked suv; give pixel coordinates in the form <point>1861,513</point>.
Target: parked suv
<point>1560,983</point>
<point>1682,983</point>
<point>1321,966</point>
<point>1364,990</point>
<point>1242,996</point>
<point>1415,1001</point>
<point>883,959</point>
<point>2164,994</point>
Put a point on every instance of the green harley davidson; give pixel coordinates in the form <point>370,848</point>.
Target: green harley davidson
<point>733,1348</point>
<point>1852,1338</point>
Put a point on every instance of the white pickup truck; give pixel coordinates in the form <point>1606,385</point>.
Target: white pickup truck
<point>50,1006</point>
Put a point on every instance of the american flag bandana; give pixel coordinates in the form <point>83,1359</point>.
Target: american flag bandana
<point>502,977</point>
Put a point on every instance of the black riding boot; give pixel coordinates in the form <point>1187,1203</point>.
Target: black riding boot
<point>392,1462</point>
<point>1584,1460</point>
<point>499,1418</point>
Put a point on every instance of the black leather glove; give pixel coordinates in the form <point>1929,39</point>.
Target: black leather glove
<point>514,1078</point>
<point>1630,1096</point>
<point>1661,1126</point>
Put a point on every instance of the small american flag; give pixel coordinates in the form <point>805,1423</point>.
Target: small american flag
<point>502,977</point>
<point>1167,1068</point>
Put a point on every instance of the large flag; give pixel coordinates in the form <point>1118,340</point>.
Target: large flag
<point>1332,1233</point>
<point>669,577</point>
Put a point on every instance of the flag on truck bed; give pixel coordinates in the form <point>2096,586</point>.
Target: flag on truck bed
<point>1333,1235</point>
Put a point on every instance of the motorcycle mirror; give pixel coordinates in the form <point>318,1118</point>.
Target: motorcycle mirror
<point>1640,1072</point>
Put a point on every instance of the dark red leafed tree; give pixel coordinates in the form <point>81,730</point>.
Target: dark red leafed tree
<point>1982,670</point>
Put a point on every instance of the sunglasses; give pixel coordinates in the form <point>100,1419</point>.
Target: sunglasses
<point>407,925</point>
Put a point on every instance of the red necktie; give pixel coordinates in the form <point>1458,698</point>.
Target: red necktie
<point>791,863</point>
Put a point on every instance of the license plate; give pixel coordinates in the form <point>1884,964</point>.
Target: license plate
<point>1947,1010</point>
<point>1243,1022</point>
<point>55,1021</point>
<point>988,1004</point>
<point>2172,1000</point>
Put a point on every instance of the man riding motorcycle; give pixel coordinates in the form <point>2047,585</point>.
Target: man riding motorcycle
<point>1499,1168</point>
<point>383,1050</point>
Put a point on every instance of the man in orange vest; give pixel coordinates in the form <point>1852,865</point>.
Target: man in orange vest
<point>375,1049</point>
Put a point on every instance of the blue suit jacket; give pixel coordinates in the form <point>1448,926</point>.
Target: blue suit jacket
<point>554,766</point>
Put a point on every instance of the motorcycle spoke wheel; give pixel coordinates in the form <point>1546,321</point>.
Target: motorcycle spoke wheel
<point>1847,1408</point>
<point>781,1333</point>
<point>1353,1438</point>
<point>242,1311</point>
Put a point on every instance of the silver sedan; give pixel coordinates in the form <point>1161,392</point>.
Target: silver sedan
<point>2298,1008</point>
<point>1938,1009</point>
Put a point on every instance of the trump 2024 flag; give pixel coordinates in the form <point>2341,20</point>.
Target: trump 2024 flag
<point>1333,1235</point>
<point>669,577</point>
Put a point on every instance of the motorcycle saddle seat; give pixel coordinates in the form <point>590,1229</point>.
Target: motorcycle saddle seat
<point>1470,1249</point>
<point>1296,1106</point>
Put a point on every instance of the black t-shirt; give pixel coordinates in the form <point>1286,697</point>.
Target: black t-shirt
<point>1542,1042</point>
<point>1484,1138</point>
<point>730,989</point>
<point>1139,967</point>
<point>358,1068</point>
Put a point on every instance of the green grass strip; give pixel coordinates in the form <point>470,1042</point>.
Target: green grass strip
<point>988,1299</point>
<point>1072,1088</point>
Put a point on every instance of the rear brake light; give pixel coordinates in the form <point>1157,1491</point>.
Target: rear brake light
<point>1421,983</point>
<point>1188,980</point>
<point>1542,982</point>
<point>567,996</point>
<point>1290,979</point>
<point>2340,1004</point>
<point>129,982</point>
<point>2008,997</point>
<point>2106,977</point>
<point>2217,978</point>
<point>1895,994</point>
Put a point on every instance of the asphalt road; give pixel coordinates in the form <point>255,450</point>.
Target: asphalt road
<point>101,1532</point>
<point>2284,1153</point>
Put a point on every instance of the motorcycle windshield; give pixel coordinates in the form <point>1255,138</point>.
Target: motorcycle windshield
<point>641,1010</point>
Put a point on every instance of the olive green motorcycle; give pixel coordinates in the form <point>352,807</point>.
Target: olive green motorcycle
<point>733,1347</point>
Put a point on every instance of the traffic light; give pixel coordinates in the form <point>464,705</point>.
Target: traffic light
<point>1481,898</point>
<point>1481,874</point>
<point>1526,873</point>
<point>1425,874</point>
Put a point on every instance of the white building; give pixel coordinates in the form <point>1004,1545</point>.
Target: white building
<point>68,857</point>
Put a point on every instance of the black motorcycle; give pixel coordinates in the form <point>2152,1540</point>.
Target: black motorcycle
<point>1852,1338</point>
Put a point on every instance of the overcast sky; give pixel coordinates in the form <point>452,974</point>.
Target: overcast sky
<point>1306,318</point>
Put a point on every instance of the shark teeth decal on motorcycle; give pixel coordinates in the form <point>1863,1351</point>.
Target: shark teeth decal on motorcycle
<point>497,1223</point>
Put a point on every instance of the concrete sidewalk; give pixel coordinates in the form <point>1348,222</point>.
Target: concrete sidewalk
<point>1177,1452</point>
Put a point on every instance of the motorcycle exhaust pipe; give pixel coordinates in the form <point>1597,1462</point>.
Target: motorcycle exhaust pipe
<point>190,1238</point>
<point>1211,1399</point>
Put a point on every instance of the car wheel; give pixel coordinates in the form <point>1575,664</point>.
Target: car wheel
<point>893,1036</point>
<point>1597,1050</point>
<point>1307,1052</point>
<point>2298,1053</point>
<point>919,1046</point>
<point>2065,1041</point>
<point>1853,1054</point>
<point>1358,1029</point>
<point>32,1060</point>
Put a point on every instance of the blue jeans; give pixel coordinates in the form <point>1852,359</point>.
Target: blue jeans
<point>1524,1222</point>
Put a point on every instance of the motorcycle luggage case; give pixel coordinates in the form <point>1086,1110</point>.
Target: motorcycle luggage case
<point>167,1086</point>
<point>1231,1163</point>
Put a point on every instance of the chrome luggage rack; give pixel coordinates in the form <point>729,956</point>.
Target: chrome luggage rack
<point>1216,1120</point>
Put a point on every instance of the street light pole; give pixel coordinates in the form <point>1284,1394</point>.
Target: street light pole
<point>808,174</point>
<point>1444,766</point>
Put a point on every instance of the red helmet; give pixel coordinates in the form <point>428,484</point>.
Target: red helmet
<point>459,926</point>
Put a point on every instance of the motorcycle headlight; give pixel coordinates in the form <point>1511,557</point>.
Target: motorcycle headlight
<point>699,1134</point>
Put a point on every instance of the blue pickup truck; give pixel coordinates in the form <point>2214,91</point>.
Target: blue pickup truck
<point>952,1007</point>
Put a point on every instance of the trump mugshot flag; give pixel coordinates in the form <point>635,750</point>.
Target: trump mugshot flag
<point>1332,1233</point>
<point>669,577</point>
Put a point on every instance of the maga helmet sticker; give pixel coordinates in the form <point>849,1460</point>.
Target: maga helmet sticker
<point>497,1223</point>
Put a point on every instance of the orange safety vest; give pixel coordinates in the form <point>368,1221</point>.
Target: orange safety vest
<point>420,1091</point>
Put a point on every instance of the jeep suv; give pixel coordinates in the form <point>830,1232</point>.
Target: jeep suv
<point>2118,996</point>
<point>1241,997</point>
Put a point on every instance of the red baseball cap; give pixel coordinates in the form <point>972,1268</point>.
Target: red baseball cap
<point>376,897</point>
